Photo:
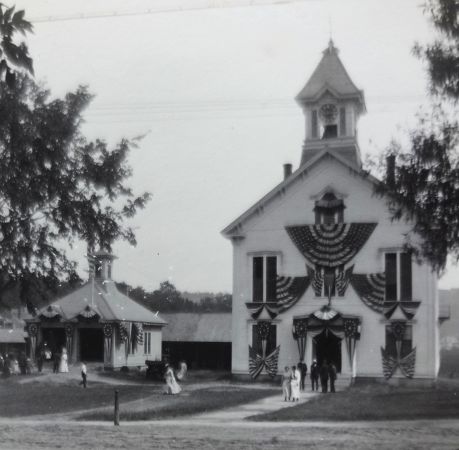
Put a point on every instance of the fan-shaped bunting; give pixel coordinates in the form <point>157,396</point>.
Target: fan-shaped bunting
<point>289,290</point>
<point>330,245</point>
<point>371,289</point>
<point>406,364</point>
<point>257,363</point>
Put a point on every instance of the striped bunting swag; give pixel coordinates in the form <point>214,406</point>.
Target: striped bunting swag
<point>257,363</point>
<point>406,364</point>
<point>138,327</point>
<point>342,280</point>
<point>317,280</point>
<point>371,289</point>
<point>289,290</point>
<point>409,308</point>
<point>330,245</point>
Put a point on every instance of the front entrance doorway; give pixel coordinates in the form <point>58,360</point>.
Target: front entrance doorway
<point>54,338</point>
<point>91,344</point>
<point>327,346</point>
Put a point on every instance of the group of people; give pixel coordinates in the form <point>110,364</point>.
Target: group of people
<point>60,360</point>
<point>13,364</point>
<point>293,379</point>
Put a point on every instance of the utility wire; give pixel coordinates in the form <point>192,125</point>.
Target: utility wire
<point>222,4</point>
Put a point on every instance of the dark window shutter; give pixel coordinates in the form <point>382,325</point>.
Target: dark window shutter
<point>257,279</point>
<point>272,339</point>
<point>271,274</point>
<point>314,124</point>
<point>256,340</point>
<point>405,277</point>
<point>391,276</point>
<point>342,122</point>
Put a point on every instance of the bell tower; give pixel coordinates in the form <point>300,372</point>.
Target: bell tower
<point>332,105</point>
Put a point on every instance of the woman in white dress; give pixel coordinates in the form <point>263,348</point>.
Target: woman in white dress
<point>172,387</point>
<point>295,384</point>
<point>63,364</point>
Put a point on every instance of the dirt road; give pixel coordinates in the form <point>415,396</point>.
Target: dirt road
<point>188,434</point>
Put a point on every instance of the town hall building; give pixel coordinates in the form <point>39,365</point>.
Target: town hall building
<point>320,271</point>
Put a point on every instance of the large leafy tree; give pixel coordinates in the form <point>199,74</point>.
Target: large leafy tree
<point>56,187</point>
<point>424,185</point>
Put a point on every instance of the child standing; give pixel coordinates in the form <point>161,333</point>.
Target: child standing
<point>84,373</point>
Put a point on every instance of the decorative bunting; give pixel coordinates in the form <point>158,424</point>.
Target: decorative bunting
<point>409,308</point>
<point>300,327</point>
<point>124,329</point>
<point>342,280</point>
<point>108,330</point>
<point>138,330</point>
<point>89,312</point>
<point>108,342</point>
<point>371,289</point>
<point>51,312</point>
<point>325,313</point>
<point>351,334</point>
<point>289,290</point>
<point>257,363</point>
<point>69,339</point>
<point>317,280</point>
<point>406,364</point>
<point>330,245</point>
<point>256,308</point>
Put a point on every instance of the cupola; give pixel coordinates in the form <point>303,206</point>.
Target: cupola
<point>332,105</point>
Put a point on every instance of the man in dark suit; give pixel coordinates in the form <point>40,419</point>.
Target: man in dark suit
<point>324,376</point>
<point>332,376</point>
<point>303,368</point>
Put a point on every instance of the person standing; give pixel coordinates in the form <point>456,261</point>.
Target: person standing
<point>303,368</point>
<point>332,376</point>
<point>63,364</point>
<point>172,387</point>
<point>324,376</point>
<point>285,382</point>
<point>56,360</point>
<point>84,373</point>
<point>314,375</point>
<point>295,384</point>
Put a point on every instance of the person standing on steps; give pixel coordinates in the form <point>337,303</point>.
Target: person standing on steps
<point>295,384</point>
<point>332,376</point>
<point>324,376</point>
<point>314,375</point>
<point>303,368</point>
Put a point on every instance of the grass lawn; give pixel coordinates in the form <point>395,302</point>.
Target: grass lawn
<point>187,403</point>
<point>37,398</point>
<point>374,403</point>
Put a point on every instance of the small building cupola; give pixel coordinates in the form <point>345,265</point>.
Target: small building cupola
<point>332,105</point>
<point>100,265</point>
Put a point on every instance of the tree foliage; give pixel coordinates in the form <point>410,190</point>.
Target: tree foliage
<point>424,187</point>
<point>168,299</point>
<point>56,187</point>
<point>13,55</point>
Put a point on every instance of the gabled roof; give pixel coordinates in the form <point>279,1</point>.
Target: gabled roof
<point>197,327</point>
<point>233,229</point>
<point>330,75</point>
<point>104,299</point>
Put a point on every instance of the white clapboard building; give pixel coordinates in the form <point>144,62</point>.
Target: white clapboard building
<point>320,269</point>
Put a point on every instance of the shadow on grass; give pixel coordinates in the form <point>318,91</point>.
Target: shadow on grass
<point>187,403</point>
<point>374,402</point>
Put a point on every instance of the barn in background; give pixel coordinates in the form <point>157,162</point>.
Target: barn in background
<point>202,340</point>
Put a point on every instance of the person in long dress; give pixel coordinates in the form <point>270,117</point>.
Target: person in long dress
<point>295,384</point>
<point>172,387</point>
<point>63,364</point>
<point>286,384</point>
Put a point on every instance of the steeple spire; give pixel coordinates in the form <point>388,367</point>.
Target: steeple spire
<point>332,105</point>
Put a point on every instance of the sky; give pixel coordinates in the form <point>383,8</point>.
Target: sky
<point>211,85</point>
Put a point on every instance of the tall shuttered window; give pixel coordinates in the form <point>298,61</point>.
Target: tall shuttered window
<point>147,343</point>
<point>264,277</point>
<point>398,276</point>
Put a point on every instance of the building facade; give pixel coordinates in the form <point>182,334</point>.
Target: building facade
<point>320,270</point>
<point>98,323</point>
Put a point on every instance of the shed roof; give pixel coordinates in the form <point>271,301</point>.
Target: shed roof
<point>102,298</point>
<point>197,327</point>
<point>12,336</point>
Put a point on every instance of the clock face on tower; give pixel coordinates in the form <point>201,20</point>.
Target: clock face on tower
<point>328,113</point>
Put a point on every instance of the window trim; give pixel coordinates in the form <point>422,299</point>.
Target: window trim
<point>264,255</point>
<point>398,252</point>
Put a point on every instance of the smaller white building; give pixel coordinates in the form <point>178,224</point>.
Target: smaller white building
<point>98,323</point>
